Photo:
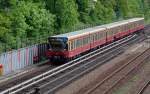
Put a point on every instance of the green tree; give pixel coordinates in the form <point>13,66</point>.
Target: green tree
<point>130,8</point>
<point>146,5</point>
<point>4,27</point>
<point>7,4</point>
<point>30,20</point>
<point>84,8</point>
<point>51,5</point>
<point>66,12</point>
<point>7,41</point>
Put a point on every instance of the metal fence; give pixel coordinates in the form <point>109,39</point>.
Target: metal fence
<point>18,59</point>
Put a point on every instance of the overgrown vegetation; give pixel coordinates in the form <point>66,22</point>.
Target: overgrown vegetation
<point>26,22</point>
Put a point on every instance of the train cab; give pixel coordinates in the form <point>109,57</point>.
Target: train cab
<point>57,49</point>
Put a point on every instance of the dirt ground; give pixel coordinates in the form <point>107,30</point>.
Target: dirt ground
<point>87,81</point>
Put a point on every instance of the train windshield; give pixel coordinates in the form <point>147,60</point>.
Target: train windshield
<point>57,44</point>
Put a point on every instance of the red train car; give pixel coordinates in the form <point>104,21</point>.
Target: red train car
<point>64,47</point>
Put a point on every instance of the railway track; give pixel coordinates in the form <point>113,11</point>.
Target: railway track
<point>10,82</point>
<point>20,84</point>
<point>146,85</point>
<point>114,78</point>
<point>48,79</point>
<point>23,83</point>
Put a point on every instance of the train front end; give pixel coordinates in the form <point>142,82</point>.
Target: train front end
<point>57,50</point>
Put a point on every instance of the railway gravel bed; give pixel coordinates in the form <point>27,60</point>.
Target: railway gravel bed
<point>115,77</point>
<point>137,82</point>
<point>14,85</point>
<point>55,82</point>
<point>31,73</point>
<point>52,82</point>
<point>66,77</point>
<point>100,73</point>
<point>146,86</point>
<point>37,72</point>
<point>147,89</point>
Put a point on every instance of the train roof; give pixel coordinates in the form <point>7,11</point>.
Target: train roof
<point>115,24</point>
<point>84,31</point>
<point>96,28</point>
<point>135,19</point>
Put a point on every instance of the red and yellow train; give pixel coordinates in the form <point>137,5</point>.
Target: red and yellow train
<point>64,47</point>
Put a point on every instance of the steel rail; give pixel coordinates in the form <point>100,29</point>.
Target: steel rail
<point>74,70</point>
<point>115,72</point>
<point>67,67</point>
<point>59,69</point>
<point>78,75</point>
<point>143,88</point>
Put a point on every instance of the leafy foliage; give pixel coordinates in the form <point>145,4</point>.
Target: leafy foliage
<point>24,22</point>
<point>66,12</point>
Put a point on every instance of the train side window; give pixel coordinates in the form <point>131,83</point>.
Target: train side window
<point>89,39</point>
<point>75,44</point>
<point>86,40</point>
<point>111,32</point>
<point>96,36</point>
<point>82,42</point>
<point>70,45</point>
<point>100,35</point>
<point>103,34</point>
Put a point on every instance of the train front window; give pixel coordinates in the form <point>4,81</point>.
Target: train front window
<point>57,44</point>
